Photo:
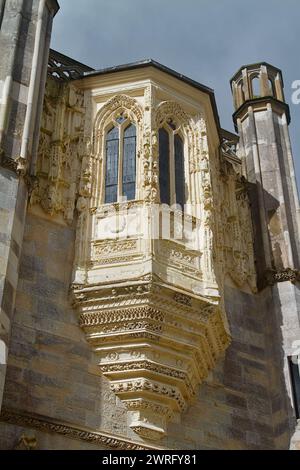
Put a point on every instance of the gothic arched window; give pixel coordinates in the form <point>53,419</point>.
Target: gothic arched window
<point>171,166</point>
<point>120,163</point>
<point>179,170</point>
<point>164,166</point>
<point>128,177</point>
<point>255,84</point>
<point>272,90</point>
<point>112,163</point>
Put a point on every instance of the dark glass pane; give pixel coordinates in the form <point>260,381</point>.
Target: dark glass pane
<point>129,162</point>
<point>164,167</point>
<point>172,125</point>
<point>179,171</point>
<point>120,119</point>
<point>295,380</point>
<point>112,134</point>
<point>130,131</point>
<point>111,170</point>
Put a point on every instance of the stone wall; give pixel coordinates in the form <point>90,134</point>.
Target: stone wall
<point>24,43</point>
<point>52,371</point>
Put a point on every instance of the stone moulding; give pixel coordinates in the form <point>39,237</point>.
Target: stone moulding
<point>155,349</point>
<point>44,424</point>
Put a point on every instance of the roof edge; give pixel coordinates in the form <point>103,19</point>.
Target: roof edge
<point>250,102</point>
<point>153,63</point>
<point>54,5</point>
<point>67,59</point>
<point>147,63</point>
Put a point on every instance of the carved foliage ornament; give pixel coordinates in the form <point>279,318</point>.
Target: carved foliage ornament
<point>234,240</point>
<point>62,150</point>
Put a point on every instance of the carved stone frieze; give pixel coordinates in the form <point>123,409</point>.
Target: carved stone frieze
<point>61,162</point>
<point>45,424</point>
<point>107,252</point>
<point>234,238</point>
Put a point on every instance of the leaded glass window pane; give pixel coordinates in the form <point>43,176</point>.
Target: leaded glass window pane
<point>111,171</point>
<point>294,365</point>
<point>120,119</point>
<point>179,170</point>
<point>164,166</point>
<point>129,162</point>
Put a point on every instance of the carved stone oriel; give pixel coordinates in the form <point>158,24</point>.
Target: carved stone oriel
<point>151,306</point>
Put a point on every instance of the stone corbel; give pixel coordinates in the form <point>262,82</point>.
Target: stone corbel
<point>272,276</point>
<point>154,344</point>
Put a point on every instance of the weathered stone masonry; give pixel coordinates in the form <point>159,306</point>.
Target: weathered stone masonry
<point>127,340</point>
<point>24,44</point>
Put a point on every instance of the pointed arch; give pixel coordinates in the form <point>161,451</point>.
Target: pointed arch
<point>115,105</point>
<point>164,165</point>
<point>170,110</point>
<point>129,162</point>
<point>174,174</point>
<point>125,111</point>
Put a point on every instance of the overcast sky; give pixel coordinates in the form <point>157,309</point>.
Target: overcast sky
<point>207,40</point>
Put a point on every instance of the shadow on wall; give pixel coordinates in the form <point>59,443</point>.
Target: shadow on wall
<point>254,366</point>
<point>51,370</point>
